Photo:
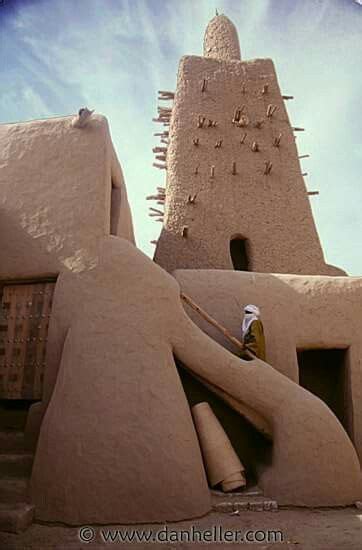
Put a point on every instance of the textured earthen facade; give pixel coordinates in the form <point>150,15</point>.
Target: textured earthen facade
<point>221,39</point>
<point>243,172</point>
<point>118,406</point>
<point>113,435</point>
<point>61,191</point>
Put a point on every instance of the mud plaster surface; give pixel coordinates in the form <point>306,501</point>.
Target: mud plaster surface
<point>319,529</point>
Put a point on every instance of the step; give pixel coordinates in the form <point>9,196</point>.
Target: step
<point>11,441</point>
<point>16,465</point>
<point>243,504</point>
<point>16,517</point>
<point>251,498</point>
<point>249,491</point>
<point>14,489</point>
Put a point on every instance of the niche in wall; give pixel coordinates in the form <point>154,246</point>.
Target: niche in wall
<point>239,252</point>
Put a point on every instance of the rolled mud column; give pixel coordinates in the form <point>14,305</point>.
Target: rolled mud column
<point>221,461</point>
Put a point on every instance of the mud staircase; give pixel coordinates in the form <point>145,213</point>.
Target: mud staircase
<point>16,511</point>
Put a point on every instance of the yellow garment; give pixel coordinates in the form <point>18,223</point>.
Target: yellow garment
<point>254,339</point>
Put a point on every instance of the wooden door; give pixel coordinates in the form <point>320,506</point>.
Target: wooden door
<point>24,319</point>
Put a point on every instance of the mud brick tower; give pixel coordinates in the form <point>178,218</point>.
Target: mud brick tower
<point>235,195</point>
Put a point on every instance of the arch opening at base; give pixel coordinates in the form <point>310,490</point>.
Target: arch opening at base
<point>240,253</point>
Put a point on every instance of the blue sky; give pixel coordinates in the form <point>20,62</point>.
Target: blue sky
<point>113,56</point>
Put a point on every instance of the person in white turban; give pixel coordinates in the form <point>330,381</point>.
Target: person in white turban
<point>252,332</point>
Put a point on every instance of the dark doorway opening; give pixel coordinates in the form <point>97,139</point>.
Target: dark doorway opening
<point>239,254</point>
<point>13,414</point>
<point>324,372</point>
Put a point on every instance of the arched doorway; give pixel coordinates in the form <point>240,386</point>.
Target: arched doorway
<point>239,254</point>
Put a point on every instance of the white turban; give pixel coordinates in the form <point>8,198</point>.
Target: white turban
<point>251,313</point>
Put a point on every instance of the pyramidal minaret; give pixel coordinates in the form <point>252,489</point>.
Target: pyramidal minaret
<point>235,196</point>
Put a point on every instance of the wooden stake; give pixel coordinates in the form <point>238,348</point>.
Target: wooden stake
<point>244,121</point>
<point>204,84</point>
<point>305,174</point>
<point>185,231</point>
<point>265,89</point>
<point>196,170</point>
<point>191,199</point>
<point>233,169</point>
<point>163,92</point>
<point>201,121</point>
<point>258,124</point>
<point>160,166</point>
<point>296,129</point>
<point>268,167</point>
<point>155,197</point>
<point>271,110</point>
<point>212,171</point>
<point>287,97</point>
<point>313,192</point>
<point>195,141</point>
<point>237,115</point>
<point>214,323</point>
<point>255,147</point>
<point>162,118</point>
<point>153,242</point>
<point>303,156</point>
<point>276,141</point>
<point>242,141</point>
<point>157,211</point>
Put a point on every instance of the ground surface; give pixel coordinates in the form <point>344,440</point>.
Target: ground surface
<point>302,529</point>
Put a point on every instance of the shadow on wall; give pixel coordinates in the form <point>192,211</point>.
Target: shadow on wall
<point>19,245</point>
<point>116,196</point>
<point>253,449</point>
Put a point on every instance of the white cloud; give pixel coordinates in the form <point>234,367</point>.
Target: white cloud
<point>113,56</point>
